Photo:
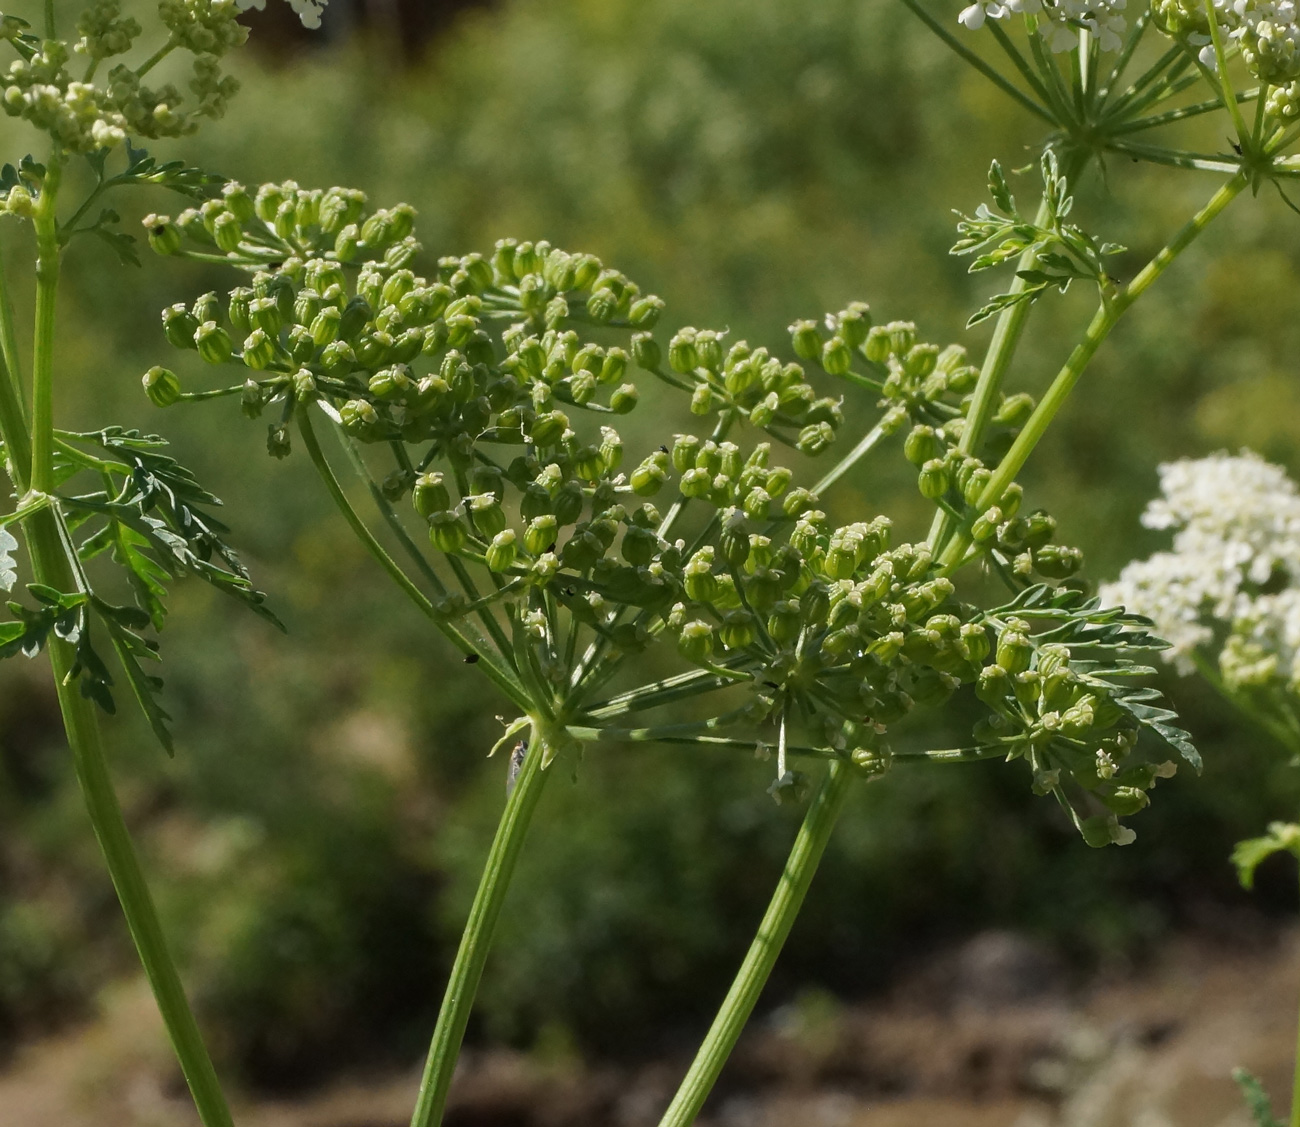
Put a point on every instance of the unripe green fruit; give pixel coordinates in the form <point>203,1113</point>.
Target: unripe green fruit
<point>806,339</point>
<point>686,449</point>
<point>540,534</point>
<point>447,532</point>
<point>227,232</point>
<point>164,236</point>
<point>933,479</point>
<point>213,343</point>
<point>259,351</point>
<point>648,478</point>
<point>986,525</point>
<point>264,314</point>
<point>179,326</point>
<point>695,643</point>
<point>737,629</point>
<point>993,685</point>
<point>921,445</point>
<point>162,386</point>
<point>645,312</point>
<point>430,495</point>
<point>300,345</point>
<point>837,356</point>
<point>1014,651</point>
<point>237,309</point>
<point>501,553</point>
<point>357,416</point>
<point>855,323</point>
<point>568,503</point>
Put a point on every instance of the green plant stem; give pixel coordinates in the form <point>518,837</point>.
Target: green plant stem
<point>476,940</point>
<point>13,415</point>
<point>51,565</point>
<point>47,285</point>
<point>501,677</point>
<point>1105,319</point>
<point>809,845</point>
<point>1295,1082</point>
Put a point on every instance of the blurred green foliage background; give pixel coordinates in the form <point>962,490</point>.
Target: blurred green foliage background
<point>317,838</point>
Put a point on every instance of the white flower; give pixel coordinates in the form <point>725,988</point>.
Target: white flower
<point>1233,573</point>
<point>309,11</point>
<point>1061,19</point>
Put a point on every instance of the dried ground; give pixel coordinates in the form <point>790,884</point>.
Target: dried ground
<point>980,1038</point>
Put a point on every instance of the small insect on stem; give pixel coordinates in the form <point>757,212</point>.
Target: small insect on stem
<point>517,754</point>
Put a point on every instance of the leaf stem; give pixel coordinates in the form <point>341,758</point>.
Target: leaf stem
<point>809,845</point>
<point>13,414</point>
<point>476,940</point>
<point>51,566</point>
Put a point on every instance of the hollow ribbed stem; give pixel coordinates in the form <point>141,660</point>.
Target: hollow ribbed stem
<point>802,863</point>
<point>50,564</point>
<point>476,940</point>
<point>1105,319</point>
<point>47,285</point>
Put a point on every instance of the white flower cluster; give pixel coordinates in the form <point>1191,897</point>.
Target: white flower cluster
<point>1267,32</point>
<point>309,11</point>
<point>1060,19</point>
<point>1233,573</point>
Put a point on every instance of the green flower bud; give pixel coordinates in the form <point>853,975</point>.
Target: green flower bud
<point>179,326</point>
<point>213,343</point>
<point>639,545</point>
<point>447,532</point>
<point>798,501</point>
<point>757,503</point>
<point>238,202</point>
<point>837,356</point>
<point>164,235</point>
<point>933,479</point>
<point>549,428</point>
<point>697,576</point>
<point>540,534</point>
<point>686,449</point>
<point>358,417</point>
<point>975,642</point>
<point>588,463</point>
<point>702,400</point>
<point>645,312</point>
<point>259,351</point>
<point>162,386</point>
<point>264,314</point>
<point>877,346</point>
<point>785,621</point>
<point>300,345</point>
<point>764,411</point>
<point>337,358</point>
<point>648,478</point>
<point>278,443</point>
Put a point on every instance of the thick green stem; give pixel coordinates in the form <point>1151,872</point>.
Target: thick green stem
<point>51,565</point>
<point>1105,319</point>
<point>47,285</point>
<point>802,863</point>
<point>1295,1082</point>
<point>476,940</point>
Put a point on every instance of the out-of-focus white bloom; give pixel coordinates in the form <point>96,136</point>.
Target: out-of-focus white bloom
<point>1267,31</point>
<point>1233,573</point>
<point>309,11</point>
<point>1061,19</point>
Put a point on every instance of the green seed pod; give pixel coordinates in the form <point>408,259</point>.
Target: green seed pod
<point>737,630</point>
<point>588,463</point>
<point>300,346</point>
<point>1014,651</point>
<point>237,309</point>
<point>206,307</point>
<point>549,428</point>
<point>357,416</point>
<point>921,445</point>
<point>1040,527</point>
<point>764,412</point>
<point>1015,410</point>
<point>806,339</point>
<point>391,383</point>
<point>259,351</point>
<point>540,534</point>
<point>855,323</point>
<point>338,359</point>
<point>568,504</point>
<point>447,532</point>
<point>798,501</point>
<point>535,502</point>
<point>975,644</point>
<point>837,356</point>
<point>304,386</point>
<point>264,314</point>
<point>179,326</point>
<point>815,438</point>
<point>306,305</point>
<point>1056,561</point>
<point>933,479</point>
<point>611,449</point>
<point>639,545</point>
<point>278,443</point>
<point>501,553</point>
<point>213,343</point>
<point>785,621</point>
<point>993,686</point>
<point>645,312</point>
<point>1011,501</point>
<point>757,503</point>
<point>430,495</point>
<point>162,386</point>
<point>614,367</point>
<point>486,514</point>
<point>164,236</point>
<point>686,449</point>
<point>623,399</point>
<point>697,576</point>
<point>986,525</point>
<point>682,355</point>
<point>227,232</point>
<point>733,541</point>
<point>648,478</point>
<point>695,643</point>
<point>877,345</point>
<point>238,202</point>
<point>702,400</point>
<point>976,482</point>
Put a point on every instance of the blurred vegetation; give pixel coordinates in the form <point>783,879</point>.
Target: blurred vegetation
<point>317,838</point>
